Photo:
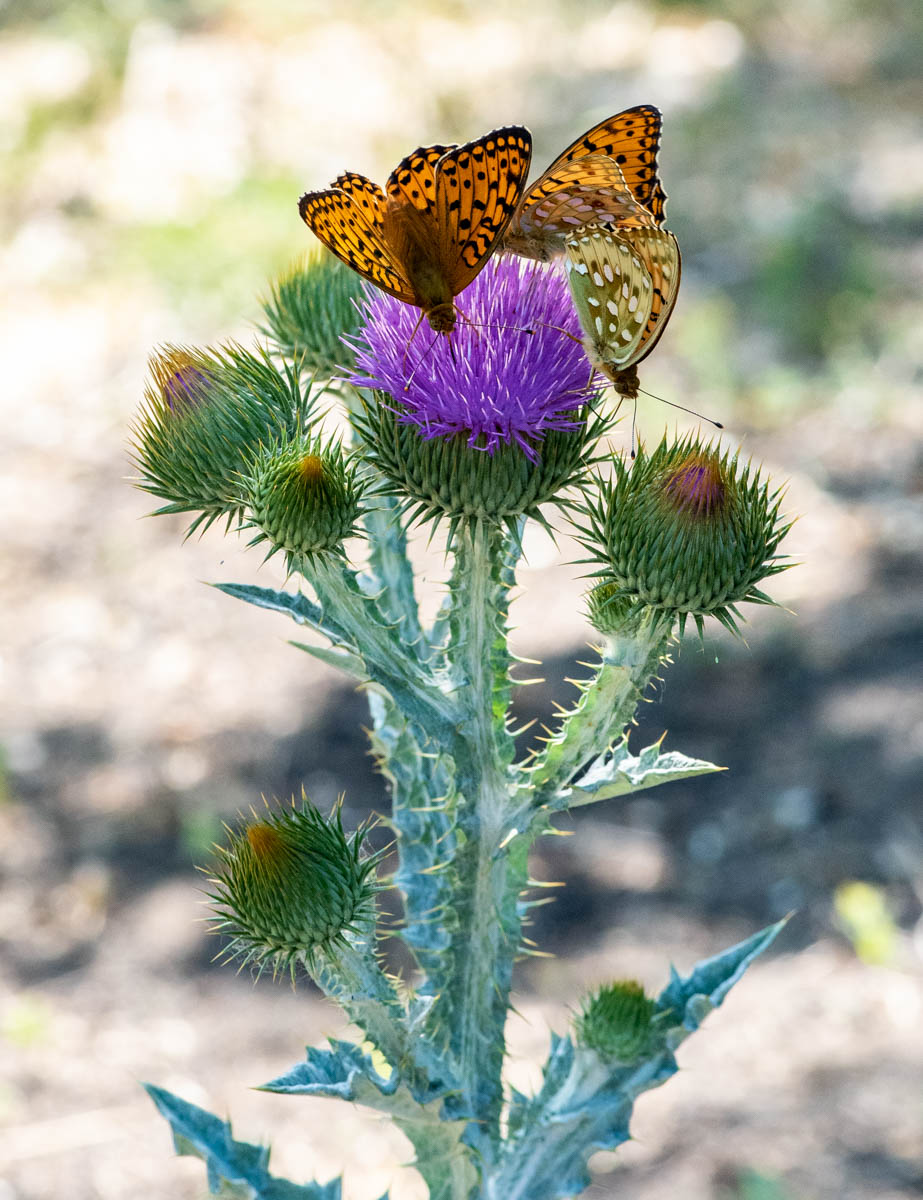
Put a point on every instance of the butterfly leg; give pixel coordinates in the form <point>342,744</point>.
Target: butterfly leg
<point>422,359</point>
<point>409,341</point>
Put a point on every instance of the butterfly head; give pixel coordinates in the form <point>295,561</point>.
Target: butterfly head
<point>441,317</point>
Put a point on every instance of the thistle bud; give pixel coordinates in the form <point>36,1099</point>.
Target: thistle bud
<point>309,310</point>
<point>303,497</point>
<point>613,612</point>
<point>684,531</point>
<point>291,885</point>
<point>617,1021</point>
<point>206,414</point>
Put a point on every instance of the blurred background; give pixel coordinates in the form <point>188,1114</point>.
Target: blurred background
<point>151,156</point>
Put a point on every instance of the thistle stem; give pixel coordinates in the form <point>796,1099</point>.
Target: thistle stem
<point>351,975</point>
<point>475,1003</point>
<point>606,706</point>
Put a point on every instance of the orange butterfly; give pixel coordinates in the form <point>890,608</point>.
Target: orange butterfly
<point>607,177</point>
<point>428,234</point>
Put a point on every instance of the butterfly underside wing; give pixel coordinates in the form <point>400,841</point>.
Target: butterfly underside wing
<point>624,286</point>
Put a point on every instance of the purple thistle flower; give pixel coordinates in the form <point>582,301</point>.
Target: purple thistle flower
<point>507,374</point>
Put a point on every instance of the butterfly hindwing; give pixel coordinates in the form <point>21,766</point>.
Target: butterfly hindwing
<point>659,251</point>
<point>336,219</point>
<point>613,294</point>
<point>478,187</point>
<point>368,195</point>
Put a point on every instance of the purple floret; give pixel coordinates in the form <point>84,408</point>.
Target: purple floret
<point>486,380</point>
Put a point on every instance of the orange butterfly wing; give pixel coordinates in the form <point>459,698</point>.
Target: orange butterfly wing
<point>427,236</point>
<point>348,220</point>
<point>413,180</point>
<point>478,187</point>
<point>583,191</point>
<point>632,138</point>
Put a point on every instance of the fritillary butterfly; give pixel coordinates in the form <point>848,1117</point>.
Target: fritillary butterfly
<point>428,234</point>
<point>624,286</point>
<point>607,177</point>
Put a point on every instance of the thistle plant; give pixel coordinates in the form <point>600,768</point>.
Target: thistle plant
<point>475,435</point>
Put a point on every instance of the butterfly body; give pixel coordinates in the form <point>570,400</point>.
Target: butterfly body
<point>606,177</point>
<point>413,235</point>
<point>428,234</point>
<point>624,285</point>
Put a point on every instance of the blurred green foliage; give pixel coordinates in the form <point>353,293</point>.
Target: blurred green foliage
<point>753,1185</point>
<point>865,917</point>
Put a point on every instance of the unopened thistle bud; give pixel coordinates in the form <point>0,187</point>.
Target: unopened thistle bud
<point>291,885</point>
<point>613,612</point>
<point>684,531</point>
<point>309,310</point>
<point>205,416</point>
<point>617,1021</point>
<point>303,496</point>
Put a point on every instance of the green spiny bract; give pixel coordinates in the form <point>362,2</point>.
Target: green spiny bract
<point>616,1021</point>
<point>303,496</point>
<point>446,477</point>
<point>310,308</point>
<point>206,415</point>
<point>685,531</point>
<point>291,885</point>
<point>614,612</point>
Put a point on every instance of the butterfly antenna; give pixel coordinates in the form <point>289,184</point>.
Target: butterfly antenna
<point>634,426</point>
<point>476,325</point>
<point>692,412</point>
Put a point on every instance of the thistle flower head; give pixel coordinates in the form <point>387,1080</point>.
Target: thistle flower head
<point>684,531</point>
<point>291,884</point>
<point>506,376</point>
<point>303,496</point>
<point>489,422</point>
<point>616,1021</point>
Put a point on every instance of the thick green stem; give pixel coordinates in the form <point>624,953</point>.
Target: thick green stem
<point>351,975</point>
<point>606,706</point>
<point>472,1009</point>
<point>356,618</point>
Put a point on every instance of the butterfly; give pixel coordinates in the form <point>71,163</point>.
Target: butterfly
<point>607,177</point>
<point>428,234</point>
<point>624,286</point>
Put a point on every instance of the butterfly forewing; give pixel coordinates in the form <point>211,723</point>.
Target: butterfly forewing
<point>413,180</point>
<point>586,191</point>
<point>368,195</point>
<point>613,294</point>
<point>478,187</point>
<point>632,139</point>
<point>338,220</point>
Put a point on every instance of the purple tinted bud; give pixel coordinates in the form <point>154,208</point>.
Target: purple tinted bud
<point>697,486</point>
<point>184,385</point>
<point>509,372</point>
